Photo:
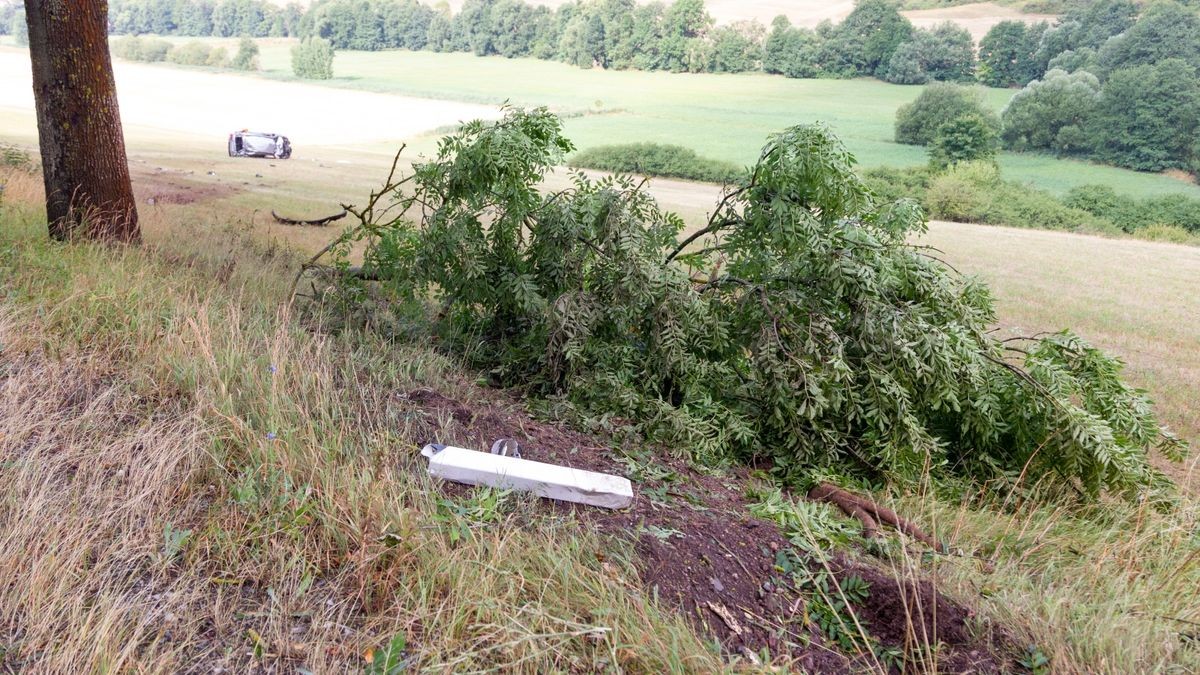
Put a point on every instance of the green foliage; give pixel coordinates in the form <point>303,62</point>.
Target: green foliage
<point>1052,113</point>
<point>975,193</point>
<point>655,159</point>
<point>13,157</point>
<point>812,527</point>
<point>1148,118</point>
<point>1166,30</point>
<point>1133,215</point>
<point>194,54</point>
<point>918,122</point>
<point>944,53</point>
<point>792,52</point>
<point>312,59</point>
<point>737,48</point>
<point>1007,54</point>
<point>226,18</point>
<point>130,48</point>
<point>247,55</point>
<point>803,330</point>
<point>864,43</point>
<point>967,138</point>
<point>18,28</point>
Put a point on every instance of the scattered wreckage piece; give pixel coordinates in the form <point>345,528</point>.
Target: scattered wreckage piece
<point>552,481</point>
<point>319,222</point>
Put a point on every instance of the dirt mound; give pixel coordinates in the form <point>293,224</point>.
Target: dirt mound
<point>700,551</point>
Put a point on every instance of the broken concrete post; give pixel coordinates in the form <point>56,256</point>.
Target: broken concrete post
<point>563,483</point>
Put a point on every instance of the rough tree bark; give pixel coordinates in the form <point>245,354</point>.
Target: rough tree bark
<point>79,125</point>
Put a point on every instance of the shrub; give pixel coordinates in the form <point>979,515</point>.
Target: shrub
<point>1135,215</point>
<point>1169,233</point>
<point>147,50</point>
<point>953,197</point>
<point>1051,113</point>
<point>967,138</point>
<point>654,159</point>
<point>218,57</point>
<point>890,184</point>
<point>312,59</point>
<point>822,341</point>
<point>155,50</point>
<point>974,192</point>
<point>191,54</point>
<point>247,55</point>
<point>128,48</point>
<point>918,121</point>
<point>14,158</point>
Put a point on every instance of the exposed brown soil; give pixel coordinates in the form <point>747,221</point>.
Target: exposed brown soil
<point>163,186</point>
<point>700,551</point>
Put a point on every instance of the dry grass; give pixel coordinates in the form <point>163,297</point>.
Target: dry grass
<point>191,482</point>
<point>1108,589</point>
<point>194,479</point>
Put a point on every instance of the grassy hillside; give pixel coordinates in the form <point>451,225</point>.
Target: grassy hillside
<point>240,487</point>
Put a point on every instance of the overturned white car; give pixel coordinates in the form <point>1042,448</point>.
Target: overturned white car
<point>247,143</point>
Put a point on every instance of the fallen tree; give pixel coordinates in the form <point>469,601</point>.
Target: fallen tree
<point>799,326</point>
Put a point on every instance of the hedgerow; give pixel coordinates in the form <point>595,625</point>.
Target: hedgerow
<point>799,327</point>
<point>656,159</point>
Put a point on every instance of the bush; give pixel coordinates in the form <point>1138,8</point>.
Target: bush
<point>1135,215</point>
<point>823,341</point>
<point>890,184</point>
<point>1169,233</point>
<point>312,59</point>
<point>1052,113</point>
<point>146,50</point>
<point>247,55</point>
<point>218,57</point>
<point>974,192</point>
<point>968,138</point>
<point>128,48</point>
<point>917,122</point>
<point>191,54</point>
<point>12,157</point>
<point>655,159</point>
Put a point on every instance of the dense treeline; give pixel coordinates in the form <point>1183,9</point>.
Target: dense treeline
<point>1115,81</point>
<point>197,18</point>
<point>679,37</point>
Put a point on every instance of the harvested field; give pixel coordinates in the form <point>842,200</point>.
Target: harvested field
<point>211,105</point>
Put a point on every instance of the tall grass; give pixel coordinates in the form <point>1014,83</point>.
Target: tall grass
<point>192,479</point>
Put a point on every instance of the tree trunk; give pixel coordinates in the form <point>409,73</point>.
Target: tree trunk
<point>79,126</point>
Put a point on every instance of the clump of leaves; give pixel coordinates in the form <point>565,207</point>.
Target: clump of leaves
<point>799,326</point>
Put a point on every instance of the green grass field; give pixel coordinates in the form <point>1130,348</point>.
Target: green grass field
<point>720,116</point>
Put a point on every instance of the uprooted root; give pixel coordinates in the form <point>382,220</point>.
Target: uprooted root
<point>869,513</point>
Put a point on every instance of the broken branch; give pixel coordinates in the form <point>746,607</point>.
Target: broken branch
<point>319,222</point>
